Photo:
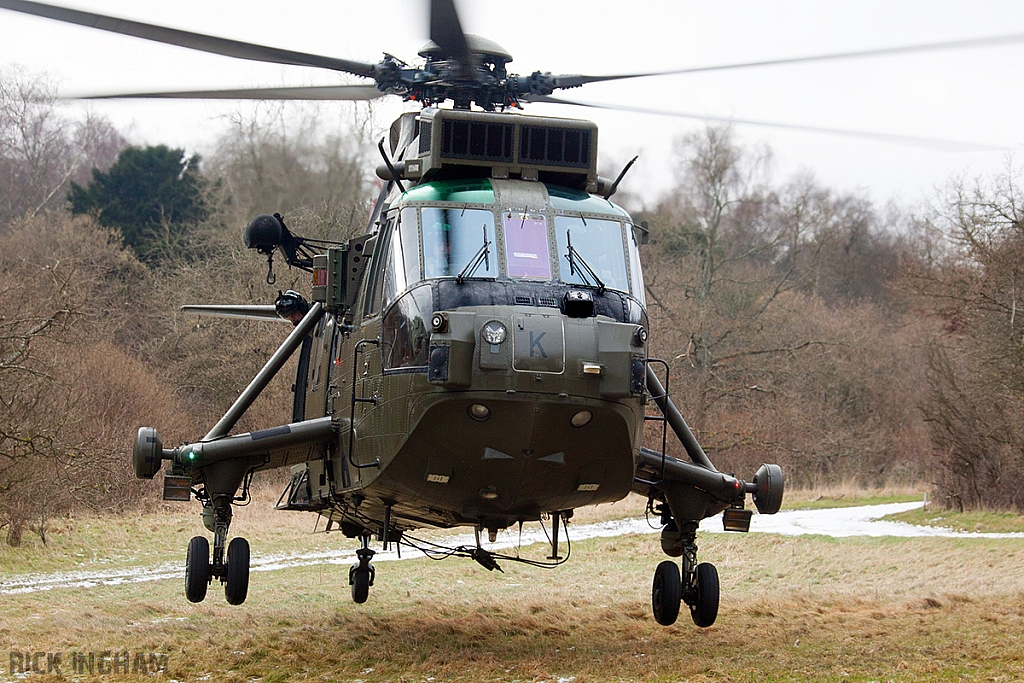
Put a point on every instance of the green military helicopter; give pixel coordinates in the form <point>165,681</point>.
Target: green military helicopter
<point>477,358</point>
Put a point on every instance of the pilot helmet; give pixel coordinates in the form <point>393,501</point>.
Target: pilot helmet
<point>289,303</point>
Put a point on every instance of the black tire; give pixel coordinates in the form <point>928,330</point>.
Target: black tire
<point>197,569</point>
<point>237,585</point>
<point>704,609</point>
<point>360,585</point>
<point>666,593</point>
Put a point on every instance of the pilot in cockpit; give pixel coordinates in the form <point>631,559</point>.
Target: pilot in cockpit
<point>437,257</point>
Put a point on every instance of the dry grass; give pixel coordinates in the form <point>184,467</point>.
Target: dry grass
<point>160,535</point>
<point>91,540</point>
<point>792,609</point>
<point>631,506</point>
<point>849,494</point>
<point>88,541</point>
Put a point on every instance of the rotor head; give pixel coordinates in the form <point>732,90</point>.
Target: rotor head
<point>485,48</point>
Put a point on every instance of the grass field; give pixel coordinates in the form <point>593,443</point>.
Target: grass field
<point>98,541</point>
<point>807,608</point>
<point>90,541</point>
<point>792,609</point>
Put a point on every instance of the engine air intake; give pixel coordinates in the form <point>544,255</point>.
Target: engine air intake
<point>456,143</point>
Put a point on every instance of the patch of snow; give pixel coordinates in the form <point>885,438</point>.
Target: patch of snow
<point>855,521</point>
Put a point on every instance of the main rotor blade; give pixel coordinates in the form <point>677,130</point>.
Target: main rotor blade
<point>446,31</point>
<point>912,140</point>
<point>314,92</point>
<point>573,81</point>
<point>188,39</point>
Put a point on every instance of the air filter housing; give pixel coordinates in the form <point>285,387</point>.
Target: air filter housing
<point>458,143</point>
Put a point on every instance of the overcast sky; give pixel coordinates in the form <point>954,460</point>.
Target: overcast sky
<point>966,95</point>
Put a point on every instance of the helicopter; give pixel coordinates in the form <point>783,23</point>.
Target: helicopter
<point>477,357</point>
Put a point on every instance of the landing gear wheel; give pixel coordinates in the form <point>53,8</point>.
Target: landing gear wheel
<point>360,580</point>
<point>197,569</point>
<point>360,576</point>
<point>704,609</point>
<point>237,585</point>
<point>666,593</point>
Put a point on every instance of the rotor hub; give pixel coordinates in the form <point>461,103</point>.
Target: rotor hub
<point>478,45</point>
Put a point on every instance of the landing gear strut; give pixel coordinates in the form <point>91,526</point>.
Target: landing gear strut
<point>361,575</point>
<point>233,571</point>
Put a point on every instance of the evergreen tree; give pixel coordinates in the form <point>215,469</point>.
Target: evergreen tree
<point>150,194</point>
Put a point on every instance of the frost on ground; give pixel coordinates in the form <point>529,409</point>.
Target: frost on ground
<point>836,522</point>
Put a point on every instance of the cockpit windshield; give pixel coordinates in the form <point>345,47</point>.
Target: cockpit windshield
<point>597,246</point>
<point>526,245</point>
<point>453,238</point>
<point>574,239</point>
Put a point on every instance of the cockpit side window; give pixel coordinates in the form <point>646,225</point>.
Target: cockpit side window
<point>636,276</point>
<point>377,268</point>
<point>597,245</point>
<point>411,244</point>
<point>405,334</point>
<point>402,268</point>
<point>454,238</point>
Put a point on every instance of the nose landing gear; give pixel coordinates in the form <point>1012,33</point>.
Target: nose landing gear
<point>361,575</point>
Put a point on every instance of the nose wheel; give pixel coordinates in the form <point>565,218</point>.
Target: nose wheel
<point>668,592</point>
<point>200,572</point>
<point>361,575</point>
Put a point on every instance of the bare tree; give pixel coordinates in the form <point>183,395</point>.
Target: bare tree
<point>71,397</point>
<point>42,149</point>
<point>758,298</point>
<point>976,365</point>
<point>278,160</point>
<point>296,161</point>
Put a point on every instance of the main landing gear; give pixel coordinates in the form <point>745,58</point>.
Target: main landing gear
<point>233,570</point>
<point>695,585</point>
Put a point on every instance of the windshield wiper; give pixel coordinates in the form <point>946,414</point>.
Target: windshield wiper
<point>483,255</point>
<point>583,267</point>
